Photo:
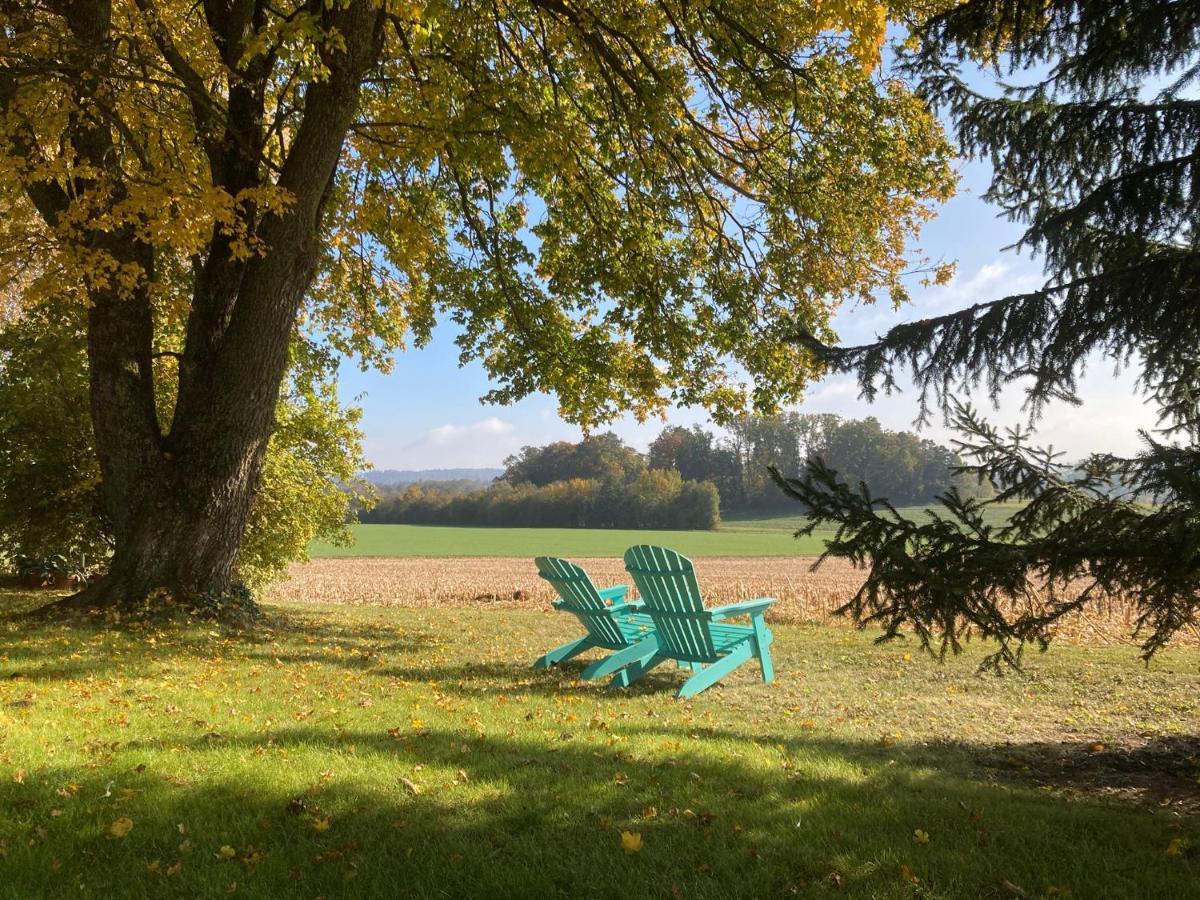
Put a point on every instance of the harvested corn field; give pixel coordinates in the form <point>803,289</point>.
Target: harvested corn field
<point>804,596</point>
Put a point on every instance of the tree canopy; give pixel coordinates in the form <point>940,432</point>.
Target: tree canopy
<point>612,201</point>
<point>1096,155</point>
<point>625,204</point>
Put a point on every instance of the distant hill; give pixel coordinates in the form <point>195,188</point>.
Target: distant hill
<point>383,477</point>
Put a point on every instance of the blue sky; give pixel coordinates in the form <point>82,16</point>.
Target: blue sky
<point>426,413</point>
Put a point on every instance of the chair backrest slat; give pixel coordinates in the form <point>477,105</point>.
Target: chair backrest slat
<point>667,584</point>
<point>581,598</point>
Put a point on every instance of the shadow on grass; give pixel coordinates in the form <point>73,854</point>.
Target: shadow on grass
<point>324,810</point>
<point>285,637</point>
<point>452,814</point>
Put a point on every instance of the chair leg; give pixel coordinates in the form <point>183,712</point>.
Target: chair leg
<point>638,652</point>
<point>710,675</point>
<point>762,642</point>
<point>634,671</point>
<point>563,653</point>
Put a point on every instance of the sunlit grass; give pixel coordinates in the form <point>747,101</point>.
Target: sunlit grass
<point>369,752</point>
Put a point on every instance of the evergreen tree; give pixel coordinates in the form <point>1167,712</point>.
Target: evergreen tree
<point>1098,157</point>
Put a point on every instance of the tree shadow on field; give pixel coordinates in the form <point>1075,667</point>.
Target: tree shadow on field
<point>309,809</point>
<point>34,651</point>
<point>484,679</point>
<point>1156,770</point>
<point>454,814</point>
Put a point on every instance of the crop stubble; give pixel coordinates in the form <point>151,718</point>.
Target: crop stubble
<point>805,596</point>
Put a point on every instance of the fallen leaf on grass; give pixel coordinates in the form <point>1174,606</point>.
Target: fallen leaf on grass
<point>120,827</point>
<point>921,837</point>
<point>411,786</point>
<point>631,842</point>
<point>906,874</point>
<point>227,852</point>
<point>1175,847</point>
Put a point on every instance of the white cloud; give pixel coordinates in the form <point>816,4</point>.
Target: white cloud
<point>475,444</point>
<point>1112,412</point>
<point>450,434</point>
<point>992,280</point>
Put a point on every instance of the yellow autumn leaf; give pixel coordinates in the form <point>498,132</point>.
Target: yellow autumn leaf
<point>631,842</point>
<point>121,827</point>
<point>906,874</point>
<point>319,823</point>
<point>1175,847</point>
<point>227,852</point>
<point>921,837</point>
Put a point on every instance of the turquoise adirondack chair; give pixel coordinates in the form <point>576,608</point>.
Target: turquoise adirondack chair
<point>610,622</point>
<point>686,631</point>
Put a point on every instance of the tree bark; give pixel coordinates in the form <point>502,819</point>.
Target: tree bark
<point>180,501</point>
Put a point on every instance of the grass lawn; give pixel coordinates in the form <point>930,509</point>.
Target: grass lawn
<point>446,540</point>
<point>346,752</point>
<point>769,536</point>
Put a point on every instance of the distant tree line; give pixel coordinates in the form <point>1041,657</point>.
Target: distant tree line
<point>647,499</point>
<point>899,465</point>
<point>686,480</point>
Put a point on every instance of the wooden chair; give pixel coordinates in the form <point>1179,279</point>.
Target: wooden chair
<point>609,622</point>
<point>689,633</point>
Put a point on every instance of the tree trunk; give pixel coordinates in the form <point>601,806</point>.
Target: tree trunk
<point>180,501</point>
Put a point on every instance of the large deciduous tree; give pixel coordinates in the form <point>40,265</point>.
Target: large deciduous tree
<point>1098,155</point>
<point>612,201</point>
<point>51,503</point>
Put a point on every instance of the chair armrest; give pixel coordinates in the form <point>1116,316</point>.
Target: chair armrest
<point>614,593</point>
<point>745,608</point>
<point>631,606</point>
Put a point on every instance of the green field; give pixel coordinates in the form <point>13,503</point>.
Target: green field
<point>737,537</point>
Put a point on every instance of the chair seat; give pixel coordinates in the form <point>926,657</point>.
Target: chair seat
<point>726,637</point>
<point>635,626</point>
